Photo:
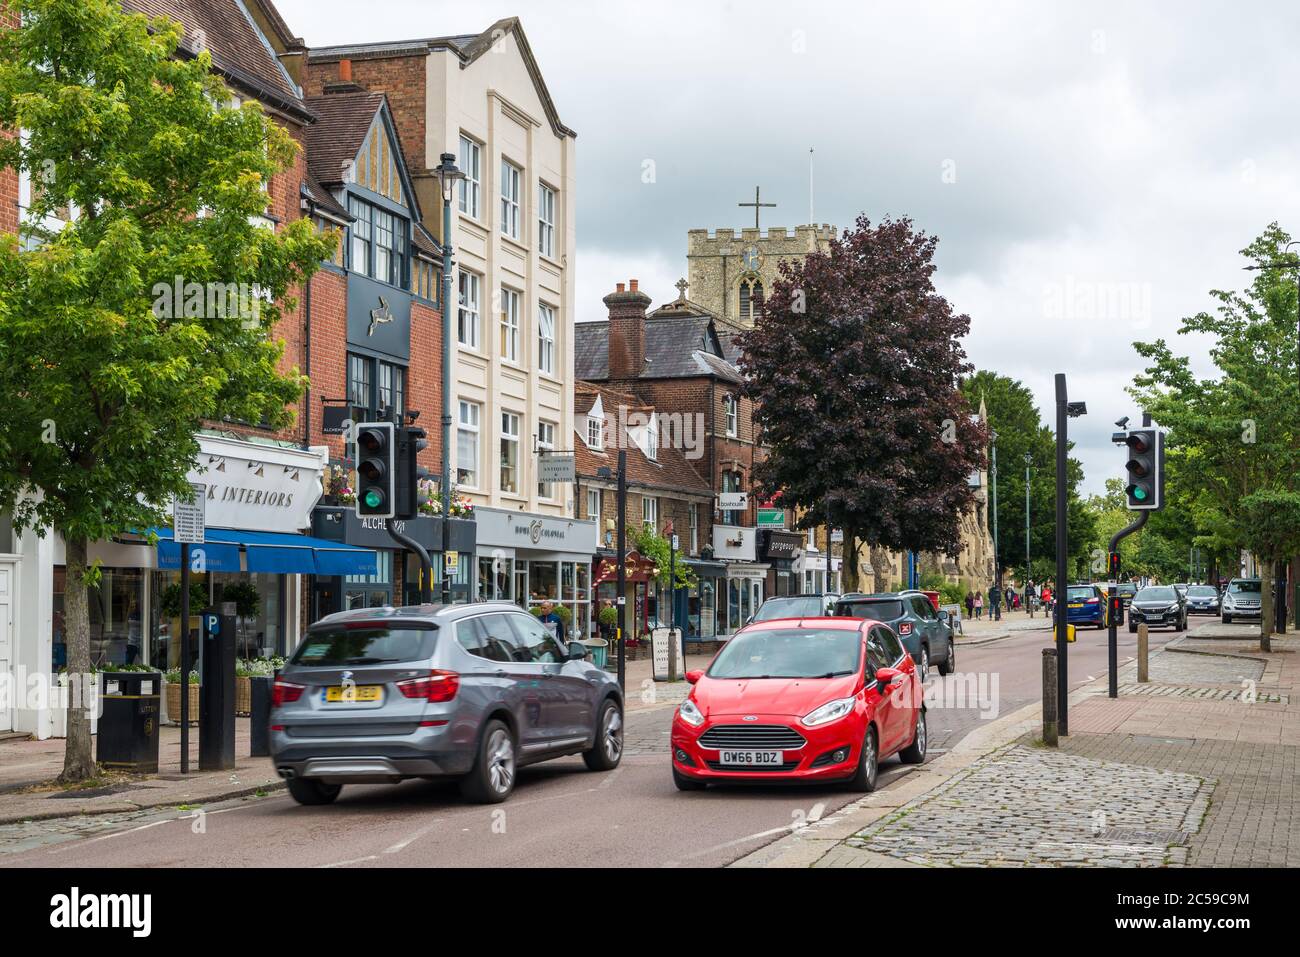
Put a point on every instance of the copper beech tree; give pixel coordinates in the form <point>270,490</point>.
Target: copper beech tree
<point>855,368</point>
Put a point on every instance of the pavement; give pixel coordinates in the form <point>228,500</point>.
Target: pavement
<point>1196,767</point>
<point>28,768</point>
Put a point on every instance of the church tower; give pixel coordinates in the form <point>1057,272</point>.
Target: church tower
<point>730,273</point>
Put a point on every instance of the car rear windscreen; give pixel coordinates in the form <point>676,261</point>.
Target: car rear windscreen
<point>363,645</point>
<point>1080,594</point>
<point>789,653</point>
<point>875,610</point>
<point>812,607</point>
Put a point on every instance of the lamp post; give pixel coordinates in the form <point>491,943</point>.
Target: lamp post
<point>1028,461</point>
<point>997,560</point>
<point>448,175</point>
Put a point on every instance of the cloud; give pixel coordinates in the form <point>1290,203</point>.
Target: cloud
<point>1110,158</point>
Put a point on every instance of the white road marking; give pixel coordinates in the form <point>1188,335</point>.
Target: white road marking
<point>355,860</point>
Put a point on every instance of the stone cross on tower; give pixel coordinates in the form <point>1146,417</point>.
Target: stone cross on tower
<point>682,286</point>
<point>757,205</point>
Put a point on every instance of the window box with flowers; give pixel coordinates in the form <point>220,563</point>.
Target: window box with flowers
<point>431,502</point>
<point>338,486</point>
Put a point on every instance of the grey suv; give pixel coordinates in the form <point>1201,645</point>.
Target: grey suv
<point>924,632</point>
<point>470,692</point>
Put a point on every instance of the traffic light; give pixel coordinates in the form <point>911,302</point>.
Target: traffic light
<point>375,472</point>
<point>411,440</point>
<point>1144,486</point>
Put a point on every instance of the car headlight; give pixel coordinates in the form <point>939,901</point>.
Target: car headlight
<point>830,711</point>
<point>690,714</point>
<point>1171,608</point>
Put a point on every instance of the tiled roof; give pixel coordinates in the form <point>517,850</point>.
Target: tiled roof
<point>674,349</point>
<point>318,194</point>
<point>342,122</point>
<point>671,471</point>
<point>239,51</point>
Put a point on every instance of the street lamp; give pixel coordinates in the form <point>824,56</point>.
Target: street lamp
<point>1028,462</point>
<point>448,175</point>
<point>993,474</point>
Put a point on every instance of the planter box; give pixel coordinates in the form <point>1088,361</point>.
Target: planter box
<point>243,695</point>
<point>173,702</point>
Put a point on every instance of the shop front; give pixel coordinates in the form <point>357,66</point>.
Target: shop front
<point>640,579</point>
<point>697,606</point>
<point>529,559</point>
<point>258,499</point>
<point>780,549</point>
<point>396,580</point>
<point>745,578</point>
<point>811,569</point>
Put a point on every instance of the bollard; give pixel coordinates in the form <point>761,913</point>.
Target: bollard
<point>259,721</point>
<point>1142,654</point>
<point>1049,698</point>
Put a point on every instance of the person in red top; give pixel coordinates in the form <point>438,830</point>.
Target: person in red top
<point>1047,598</point>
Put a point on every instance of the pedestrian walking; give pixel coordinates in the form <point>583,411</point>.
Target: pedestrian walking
<point>970,604</point>
<point>979,604</point>
<point>995,602</point>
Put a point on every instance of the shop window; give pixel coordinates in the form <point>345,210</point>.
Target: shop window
<point>116,610</point>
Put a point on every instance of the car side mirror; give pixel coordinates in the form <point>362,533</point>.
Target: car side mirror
<point>577,651</point>
<point>943,616</point>
<point>886,676</point>
<point>693,676</point>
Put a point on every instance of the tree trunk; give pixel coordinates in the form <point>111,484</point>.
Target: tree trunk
<point>78,764</point>
<point>1267,578</point>
<point>849,561</point>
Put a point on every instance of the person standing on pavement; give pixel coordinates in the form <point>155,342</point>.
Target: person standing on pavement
<point>970,603</point>
<point>995,602</point>
<point>979,604</point>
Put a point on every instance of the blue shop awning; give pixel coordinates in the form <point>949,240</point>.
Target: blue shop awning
<point>275,552</point>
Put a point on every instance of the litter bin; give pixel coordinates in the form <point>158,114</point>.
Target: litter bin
<point>599,651</point>
<point>128,726</point>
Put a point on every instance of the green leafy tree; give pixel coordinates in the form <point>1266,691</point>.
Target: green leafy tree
<point>1015,418</point>
<point>103,378</point>
<point>855,366</point>
<point>657,549</point>
<point>1235,441</point>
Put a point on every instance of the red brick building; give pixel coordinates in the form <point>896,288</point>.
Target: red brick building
<point>366,330</point>
<point>680,360</point>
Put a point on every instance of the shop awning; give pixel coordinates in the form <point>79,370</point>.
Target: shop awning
<point>273,552</point>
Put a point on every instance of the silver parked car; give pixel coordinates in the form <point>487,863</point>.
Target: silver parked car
<point>1242,599</point>
<point>470,692</point>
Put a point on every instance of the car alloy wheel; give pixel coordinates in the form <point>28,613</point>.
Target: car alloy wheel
<point>612,735</point>
<point>501,761</point>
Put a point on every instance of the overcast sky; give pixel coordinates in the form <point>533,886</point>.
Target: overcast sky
<point>1091,170</point>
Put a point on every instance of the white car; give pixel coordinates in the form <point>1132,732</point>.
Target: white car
<point>1241,600</point>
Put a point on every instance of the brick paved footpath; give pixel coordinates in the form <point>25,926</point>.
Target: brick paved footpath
<point>1196,768</point>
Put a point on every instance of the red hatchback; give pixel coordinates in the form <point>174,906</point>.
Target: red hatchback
<point>802,699</point>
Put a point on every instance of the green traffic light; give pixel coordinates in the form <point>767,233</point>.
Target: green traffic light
<point>373,498</point>
<point>1140,493</point>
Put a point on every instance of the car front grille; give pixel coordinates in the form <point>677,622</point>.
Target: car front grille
<point>719,766</point>
<point>752,737</point>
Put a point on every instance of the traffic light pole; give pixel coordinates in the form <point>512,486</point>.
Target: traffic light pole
<point>1113,601</point>
<point>1062,546</point>
<point>426,566</point>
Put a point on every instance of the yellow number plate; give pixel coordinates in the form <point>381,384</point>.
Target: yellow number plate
<point>359,693</point>
<point>1076,606</point>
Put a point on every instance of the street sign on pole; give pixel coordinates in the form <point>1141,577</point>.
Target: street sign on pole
<point>189,524</point>
<point>556,468</point>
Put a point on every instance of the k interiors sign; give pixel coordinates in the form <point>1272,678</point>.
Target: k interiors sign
<point>259,487</point>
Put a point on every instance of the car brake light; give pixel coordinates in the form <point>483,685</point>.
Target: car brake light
<point>437,686</point>
<point>1091,601</point>
<point>905,628</point>
<point>283,692</point>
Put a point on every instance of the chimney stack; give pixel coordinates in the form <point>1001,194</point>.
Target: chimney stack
<point>626,331</point>
<point>345,71</point>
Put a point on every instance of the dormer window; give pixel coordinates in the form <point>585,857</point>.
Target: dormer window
<point>652,440</point>
<point>595,432</point>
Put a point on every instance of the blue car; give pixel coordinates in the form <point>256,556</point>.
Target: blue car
<point>1086,605</point>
